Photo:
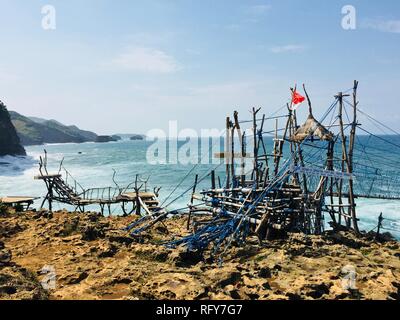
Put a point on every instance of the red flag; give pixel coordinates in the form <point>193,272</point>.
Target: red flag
<point>297,98</point>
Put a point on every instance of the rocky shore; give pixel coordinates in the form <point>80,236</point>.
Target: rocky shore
<point>92,258</point>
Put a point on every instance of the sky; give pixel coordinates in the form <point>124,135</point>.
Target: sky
<point>131,66</point>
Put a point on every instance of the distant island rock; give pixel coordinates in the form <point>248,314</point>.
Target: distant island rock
<point>9,141</point>
<point>116,137</point>
<point>36,131</point>
<point>136,137</point>
<point>103,139</point>
<point>131,136</point>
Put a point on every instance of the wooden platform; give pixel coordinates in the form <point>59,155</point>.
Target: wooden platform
<point>17,200</point>
<point>67,190</point>
<point>47,176</point>
<point>132,195</point>
<point>25,202</point>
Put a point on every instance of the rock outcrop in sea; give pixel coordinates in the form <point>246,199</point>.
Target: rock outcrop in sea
<point>102,139</point>
<point>9,140</point>
<point>137,137</point>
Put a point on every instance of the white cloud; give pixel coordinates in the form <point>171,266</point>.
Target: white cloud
<point>142,59</point>
<point>252,14</point>
<point>288,48</point>
<point>151,39</point>
<point>233,27</point>
<point>259,9</point>
<point>392,26</point>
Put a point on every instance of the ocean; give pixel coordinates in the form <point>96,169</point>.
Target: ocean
<point>92,165</point>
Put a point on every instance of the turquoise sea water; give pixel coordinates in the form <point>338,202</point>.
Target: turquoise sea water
<point>92,165</point>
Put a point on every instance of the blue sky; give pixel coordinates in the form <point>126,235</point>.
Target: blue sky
<point>130,66</point>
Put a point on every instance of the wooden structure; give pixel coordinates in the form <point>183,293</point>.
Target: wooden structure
<point>285,191</point>
<point>148,201</point>
<point>14,201</point>
<point>63,188</point>
<point>313,171</point>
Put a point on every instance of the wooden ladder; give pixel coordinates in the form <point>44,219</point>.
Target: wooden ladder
<point>151,205</point>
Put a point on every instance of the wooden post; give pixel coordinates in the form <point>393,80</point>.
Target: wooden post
<point>344,154</point>
<point>346,159</point>
<point>50,197</point>
<point>299,151</point>
<point>192,198</point>
<point>243,164</point>
<point>137,197</point>
<point>227,151</point>
<point>278,149</point>
<point>232,155</point>
<point>242,147</point>
<point>350,159</point>
<point>380,219</point>
<point>331,150</point>
<point>137,202</point>
<point>255,149</point>
<point>265,154</point>
<point>292,129</point>
<point>308,100</point>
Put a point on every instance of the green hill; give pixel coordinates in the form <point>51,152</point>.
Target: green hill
<point>34,131</point>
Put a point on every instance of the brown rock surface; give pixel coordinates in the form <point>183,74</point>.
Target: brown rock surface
<point>94,259</point>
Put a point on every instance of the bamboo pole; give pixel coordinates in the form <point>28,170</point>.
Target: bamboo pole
<point>350,158</point>
<point>193,197</point>
<point>346,160</point>
<point>227,151</point>
<point>233,155</point>
<point>212,180</point>
<point>242,147</point>
<point>255,149</point>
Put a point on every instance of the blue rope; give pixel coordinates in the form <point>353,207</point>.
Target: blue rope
<point>135,223</point>
<point>211,232</point>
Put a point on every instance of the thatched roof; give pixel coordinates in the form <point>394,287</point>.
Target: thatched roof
<point>312,128</point>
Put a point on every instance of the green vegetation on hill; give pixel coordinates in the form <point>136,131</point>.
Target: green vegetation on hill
<point>34,131</point>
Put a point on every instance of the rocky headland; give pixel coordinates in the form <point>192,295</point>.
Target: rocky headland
<point>9,141</point>
<point>93,258</point>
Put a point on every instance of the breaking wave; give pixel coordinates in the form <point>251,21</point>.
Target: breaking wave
<point>11,166</point>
